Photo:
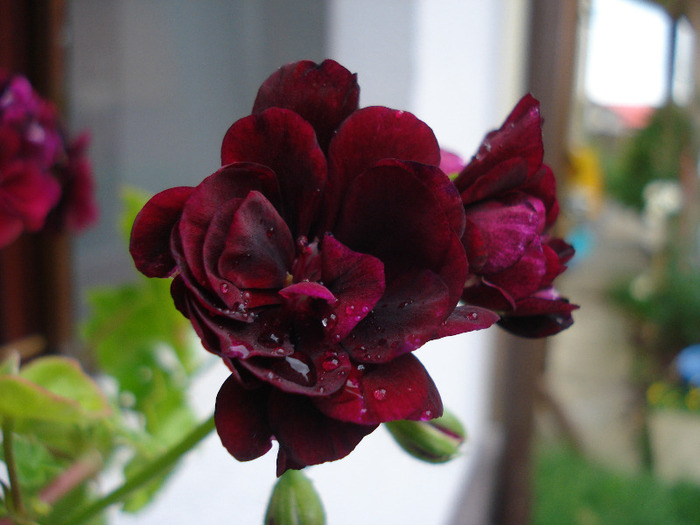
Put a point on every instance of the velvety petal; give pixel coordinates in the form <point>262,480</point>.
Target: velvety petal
<point>404,319</point>
<point>323,94</point>
<point>374,394</point>
<point>539,317</point>
<point>308,437</point>
<point>501,178</point>
<point>481,292</point>
<point>241,420</point>
<point>505,229</point>
<point>258,247</point>
<point>149,244</point>
<point>388,212</point>
<point>520,136</point>
<point>307,289</point>
<point>542,184</point>
<point>284,142</point>
<point>315,369</point>
<point>525,277</point>
<point>233,181</point>
<point>222,333</point>
<point>223,299</point>
<point>467,318</point>
<point>370,135</point>
<point>357,280</point>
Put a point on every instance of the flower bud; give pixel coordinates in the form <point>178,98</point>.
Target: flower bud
<point>294,502</point>
<point>434,441</point>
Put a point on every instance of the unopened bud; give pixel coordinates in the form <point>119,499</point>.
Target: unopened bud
<point>294,502</point>
<point>434,441</point>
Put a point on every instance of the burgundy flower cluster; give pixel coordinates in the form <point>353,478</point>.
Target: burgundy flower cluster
<point>326,249</point>
<point>41,173</point>
<point>510,201</point>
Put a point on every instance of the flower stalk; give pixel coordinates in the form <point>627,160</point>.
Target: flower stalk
<point>155,468</point>
<point>11,464</point>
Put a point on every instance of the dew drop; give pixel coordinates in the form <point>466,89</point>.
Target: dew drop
<point>270,232</point>
<point>349,309</point>
<point>224,287</point>
<point>337,338</point>
<point>360,368</point>
<point>406,303</point>
<point>330,364</point>
<point>426,416</point>
<point>472,316</point>
<point>379,394</point>
<point>365,309</point>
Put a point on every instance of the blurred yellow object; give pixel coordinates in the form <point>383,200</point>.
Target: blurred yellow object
<point>585,181</point>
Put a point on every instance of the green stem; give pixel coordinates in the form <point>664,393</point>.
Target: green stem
<point>9,450</point>
<point>156,467</point>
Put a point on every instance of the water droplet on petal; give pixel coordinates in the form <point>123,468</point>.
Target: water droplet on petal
<point>224,287</point>
<point>379,394</point>
<point>330,364</point>
<point>270,232</point>
<point>472,316</point>
<point>349,309</point>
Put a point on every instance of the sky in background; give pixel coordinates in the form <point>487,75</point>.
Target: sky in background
<point>627,53</point>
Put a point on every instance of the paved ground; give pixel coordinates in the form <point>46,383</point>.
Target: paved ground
<point>588,370</point>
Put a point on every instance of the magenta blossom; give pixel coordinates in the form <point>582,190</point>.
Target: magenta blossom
<point>323,252</point>
<point>509,196</point>
<point>37,168</point>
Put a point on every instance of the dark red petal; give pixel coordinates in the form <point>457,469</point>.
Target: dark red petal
<point>284,142</point>
<point>388,212</point>
<point>501,178</point>
<point>504,229</point>
<point>357,280</point>
<point>373,134</point>
<point>526,276</point>
<point>323,94</point>
<point>539,317</point>
<point>467,318</point>
<point>483,293</point>
<point>233,181</point>
<point>405,318</point>
<point>258,248</point>
<point>150,235</point>
<point>307,436</point>
<point>374,394</point>
<point>241,420</point>
<point>307,289</point>
<point>542,184</point>
<point>313,370</point>
<point>520,136</point>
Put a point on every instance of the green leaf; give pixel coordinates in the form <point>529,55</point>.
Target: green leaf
<point>64,377</point>
<point>20,398</point>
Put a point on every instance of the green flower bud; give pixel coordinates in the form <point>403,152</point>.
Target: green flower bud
<point>434,441</point>
<point>294,502</point>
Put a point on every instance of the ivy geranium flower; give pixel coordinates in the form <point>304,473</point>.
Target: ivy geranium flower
<point>314,262</point>
<point>509,196</point>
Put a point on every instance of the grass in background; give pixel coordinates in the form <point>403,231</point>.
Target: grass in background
<point>571,490</point>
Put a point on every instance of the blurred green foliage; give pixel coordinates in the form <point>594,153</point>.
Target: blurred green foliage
<point>652,153</point>
<point>144,354</point>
